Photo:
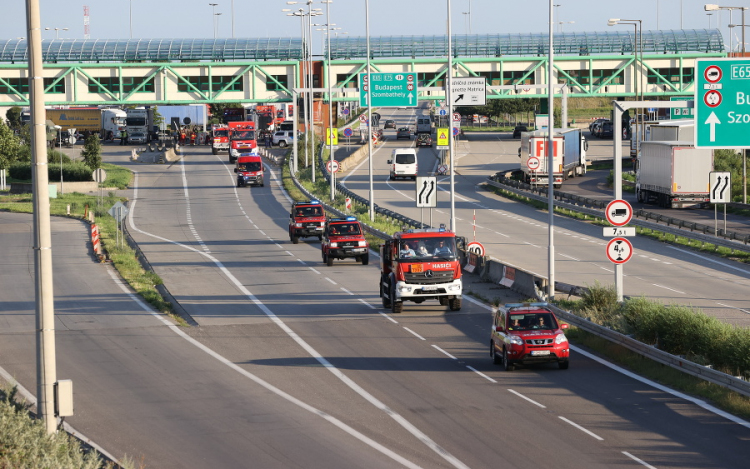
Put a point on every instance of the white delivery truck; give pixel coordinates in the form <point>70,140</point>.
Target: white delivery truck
<point>139,124</point>
<point>678,130</point>
<point>673,174</point>
<point>569,155</point>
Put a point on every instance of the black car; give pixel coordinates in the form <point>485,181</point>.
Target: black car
<point>517,131</point>
<point>403,132</point>
<point>596,123</point>
<point>606,130</point>
<point>424,140</point>
<point>389,124</point>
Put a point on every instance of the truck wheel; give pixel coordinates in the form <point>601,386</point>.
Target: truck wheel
<point>366,259</point>
<point>295,239</point>
<point>454,304</point>
<point>214,151</point>
<point>443,301</point>
<point>496,359</point>
<point>396,306</point>
<point>507,365</point>
<point>639,196</point>
<point>329,261</point>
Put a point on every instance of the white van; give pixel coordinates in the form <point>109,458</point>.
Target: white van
<point>403,163</point>
<point>424,125</point>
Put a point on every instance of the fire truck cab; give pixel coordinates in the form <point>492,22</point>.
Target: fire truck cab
<point>242,139</point>
<point>419,265</point>
<point>306,219</point>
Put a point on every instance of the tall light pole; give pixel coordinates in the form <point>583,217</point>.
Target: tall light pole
<point>714,7</point>
<point>550,160</point>
<point>369,110</point>
<point>300,12</point>
<point>331,126</point>
<point>131,19</point>
<point>57,31</point>
<point>232,12</point>
<point>449,98</point>
<point>216,28</point>
<point>637,67</point>
<point>59,148</point>
<point>213,16</point>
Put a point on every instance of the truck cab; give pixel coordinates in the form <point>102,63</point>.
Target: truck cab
<point>419,265</point>
<point>242,139</point>
<point>219,139</point>
<point>306,219</point>
<point>343,239</point>
<point>249,170</point>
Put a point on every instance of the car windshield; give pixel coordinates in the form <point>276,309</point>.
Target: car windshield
<point>344,229</point>
<point>220,133</point>
<point>249,166</point>
<point>531,321</point>
<point>308,211</point>
<point>243,135</point>
<point>405,158</point>
<point>428,248</point>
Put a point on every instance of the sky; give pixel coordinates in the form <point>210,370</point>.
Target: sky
<point>264,18</point>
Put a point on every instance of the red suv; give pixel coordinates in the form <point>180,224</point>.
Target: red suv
<point>524,333</point>
<point>344,238</point>
<point>306,219</point>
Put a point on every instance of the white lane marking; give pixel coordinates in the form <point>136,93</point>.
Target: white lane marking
<point>347,291</point>
<point>279,245</point>
<point>388,317</point>
<point>301,261</point>
<point>366,303</point>
<point>327,278</point>
<point>317,272</point>
<point>667,288</point>
<point>604,268</point>
<point>662,388</point>
<point>501,234</point>
<point>638,460</point>
<point>478,303</point>
<point>705,258</point>
<point>290,253</point>
<point>408,426</point>
<point>187,201</point>
<point>569,257</point>
<point>415,334</point>
<point>733,307</point>
<point>31,399</point>
<point>526,242</point>
<point>581,428</point>
<point>444,352</point>
<point>481,374</point>
<point>527,398</point>
<point>263,233</point>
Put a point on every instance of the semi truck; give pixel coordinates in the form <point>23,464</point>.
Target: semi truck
<point>678,130</point>
<point>673,174</point>
<point>569,155</point>
<point>105,122</point>
<point>139,123</point>
<point>418,265</point>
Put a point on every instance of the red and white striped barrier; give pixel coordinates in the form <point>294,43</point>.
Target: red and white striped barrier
<point>95,240</point>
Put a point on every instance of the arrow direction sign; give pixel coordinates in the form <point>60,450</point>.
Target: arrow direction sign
<point>470,91</point>
<point>389,89</point>
<point>460,97</point>
<point>712,121</point>
<point>720,187</point>
<point>426,192</point>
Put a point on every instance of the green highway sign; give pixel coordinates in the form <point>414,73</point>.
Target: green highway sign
<point>682,112</point>
<point>722,103</point>
<point>389,89</point>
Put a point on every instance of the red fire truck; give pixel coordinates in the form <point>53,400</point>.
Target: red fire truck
<point>219,139</point>
<point>418,265</point>
<point>241,139</point>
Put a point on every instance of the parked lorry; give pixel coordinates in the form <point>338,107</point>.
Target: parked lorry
<point>419,265</point>
<point>242,139</point>
<point>673,174</point>
<point>95,120</point>
<point>678,130</point>
<point>219,139</point>
<point>569,155</point>
<point>139,123</point>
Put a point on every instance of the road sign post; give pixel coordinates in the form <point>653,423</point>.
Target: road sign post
<point>720,192</point>
<point>389,89</point>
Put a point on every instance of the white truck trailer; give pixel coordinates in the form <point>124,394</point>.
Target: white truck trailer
<point>673,174</point>
<point>569,155</point>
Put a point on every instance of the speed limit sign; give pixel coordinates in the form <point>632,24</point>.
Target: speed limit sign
<point>476,248</point>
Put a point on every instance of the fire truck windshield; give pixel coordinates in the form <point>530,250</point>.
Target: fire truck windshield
<point>221,133</point>
<point>251,166</point>
<point>243,135</point>
<point>428,248</point>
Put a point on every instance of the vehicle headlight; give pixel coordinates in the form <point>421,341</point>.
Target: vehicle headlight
<point>362,244</point>
<point>560,339</point>
<point>454,287</point>
<point>404,288</point>
<point>298,225</point>
<point>515,340</point>
<point>334,245</point>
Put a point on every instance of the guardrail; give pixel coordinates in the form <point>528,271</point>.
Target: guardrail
<point>673,226</point>
<point>498,271</point>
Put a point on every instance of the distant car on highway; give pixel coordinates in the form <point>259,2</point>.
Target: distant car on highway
<point>389,124</point>
<point>595,123</point>
<point>424,140</point>
<point>517,131</point>
<point>403,132</point>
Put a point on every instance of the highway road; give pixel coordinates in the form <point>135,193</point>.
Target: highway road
<point>519,234</point>
<point>296,364</point>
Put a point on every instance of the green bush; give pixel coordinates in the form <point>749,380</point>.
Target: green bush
<point>71,172</point>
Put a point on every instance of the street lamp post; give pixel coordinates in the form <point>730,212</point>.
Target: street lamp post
<point>638,80</point>
<point>59,147</point>
<point>369,110</point>
<point>213,16</point>
<point>714,7</point>
<point>57,31</point>
<point>331,126</point>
